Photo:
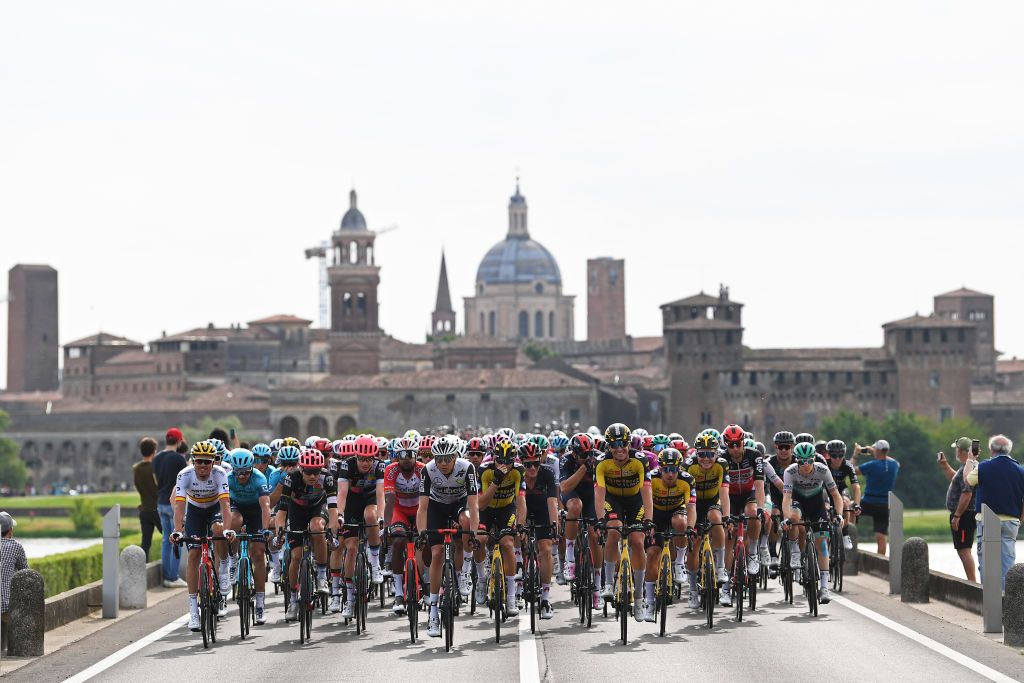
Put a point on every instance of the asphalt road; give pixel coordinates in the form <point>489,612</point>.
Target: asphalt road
<point>841,644</point>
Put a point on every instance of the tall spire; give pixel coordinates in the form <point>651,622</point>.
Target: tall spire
<point>517,216</point>
<point>442,320</point>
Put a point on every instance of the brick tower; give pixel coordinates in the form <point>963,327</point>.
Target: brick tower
<point>606,299</point>
<point>32,349</point>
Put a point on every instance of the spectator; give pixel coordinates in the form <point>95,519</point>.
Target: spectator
<point>959,499</point>
<point>166,466</point>
<point>145,484</point>
<point>12,559</point>
<point>880,478</point>
<point>182,447</point>
<point>999,483</point>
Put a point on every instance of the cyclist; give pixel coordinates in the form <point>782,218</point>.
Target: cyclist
<point>401,500</point>
<point>576,487</point>
<point>774,466</point>
<point>623,491</point>
<point>201,504</point>
<point>361,497</point>
<point>502,506</point>
<point>448,494</point>
<point>305,492</point>
<point>711,478</point>
<point>846,480</point>
<point>673,491</point>
<point>541,506</point>
<point>746,490</point>
<point>804,482</point>
<point>288,462</point>
<point>250,507</point>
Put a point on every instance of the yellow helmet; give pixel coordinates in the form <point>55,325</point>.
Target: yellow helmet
<point>504,451</point>
<point>292,441</point>
<point>203,449</point>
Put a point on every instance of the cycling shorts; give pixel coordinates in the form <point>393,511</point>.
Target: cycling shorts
<point>355,510</point>
<point>199,520</point>
<point>252,516</point>
<point>738,502</point>
<point>588,504</point>
<point>496,519</point>
<point>299,517</point>
<point>443,516</point>
<point>706,506</point>
<point>630,509</point>
<point>403,515</point>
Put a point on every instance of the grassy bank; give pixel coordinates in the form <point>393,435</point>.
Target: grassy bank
<point>62,527</point>
<point>100,500</point>
<point>65,571</point>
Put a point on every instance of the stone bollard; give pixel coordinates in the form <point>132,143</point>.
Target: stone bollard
<point>1013,607</point>
<point>132,578</point>
<point>915,573</point>
<point>851,567</point>
<point>27,612</point>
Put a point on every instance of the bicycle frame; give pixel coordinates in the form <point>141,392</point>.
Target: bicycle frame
<point>208,590</point>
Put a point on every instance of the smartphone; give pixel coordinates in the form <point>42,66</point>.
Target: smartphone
<point>975,447</point>
<point>231,433</point>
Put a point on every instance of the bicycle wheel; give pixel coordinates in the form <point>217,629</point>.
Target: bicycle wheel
<point>412,601</point>
<point>204,605</point>
<point>448,587</point>
<point>811,578</point>
<point>305,598</point>
<point>752,592</point>
<point>243,593</point>
<point>625,601</point>
<point>838,558</point>
<point>664,590</point>
<point>710,589</point>
<point>498,577</point>
<point>584,588</point>
<point>533,588</point>
<point>739,576</point>
<point>360,595</point>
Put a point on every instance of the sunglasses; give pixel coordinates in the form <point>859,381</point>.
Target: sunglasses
<point>239,471</point>
<point>706,455</point>
<point>670,469</point>
<point>530,464</point>
<point>445,458</point>
<point>202,462</point>
<point>734,444</point>
<point>783,447</point>
<point>620,443</point>
<point>306,471</point>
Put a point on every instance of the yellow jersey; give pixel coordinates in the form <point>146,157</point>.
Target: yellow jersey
<point>676,497</point>
<point>625,481</point>
<point>708,482</point>
<point>511,485</point>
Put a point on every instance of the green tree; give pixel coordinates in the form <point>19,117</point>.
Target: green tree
<point>849,427</point>
<point>911,438</point>
<point>208,424</point>
<point>945,433</point>
<point>535,351</point>
<point>85,517</point>
<point>13,473</point>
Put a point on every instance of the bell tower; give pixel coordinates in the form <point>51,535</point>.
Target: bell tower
<point>354,277</point>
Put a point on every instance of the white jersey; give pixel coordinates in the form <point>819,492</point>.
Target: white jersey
<point>226,466</point>
<point>453,488</point>
<point>551,461</point>
<point>202,493</point>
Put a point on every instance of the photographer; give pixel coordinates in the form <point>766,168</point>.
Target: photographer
<point>880,478</point>
<point>960,502</point>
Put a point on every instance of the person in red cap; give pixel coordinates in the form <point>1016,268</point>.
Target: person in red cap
<point>166,466</point>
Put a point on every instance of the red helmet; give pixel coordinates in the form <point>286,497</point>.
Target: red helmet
<point>426,443</point>
<point>310,459</point>
<point>475,445</point>
<point>680,445</point>
<point>324,446</point>
<point>732,434</point>
<point>366,447</point>
<point>648,442</point>
<point>528,451</point>
<point>581,444</point>
<point>348,448</point>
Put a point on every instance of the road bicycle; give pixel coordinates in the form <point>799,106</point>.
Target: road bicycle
<point>209,593</point>
<point>531,570</point>
<point>496,598</point>
<point>741,583</point>
<point>582,587</point>
<point>707,583</point>
<point>810,573</point>
<point>785,570</point>
<point>411,580</point>
<point>665,590</point>
<point>836,553</point>
<point>245,592</point>
<point>448,592</point>
<point>308,596</point>
<point>624,589</point>
<point>361,576</point>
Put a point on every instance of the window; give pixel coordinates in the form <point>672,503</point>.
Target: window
<point>810,421</point>
<point>490,323</point>
<point>943,336</point>
<point>728,338</point>
<point>780,378</point>
<point>926,336</point>
<point>883,378</point>
<point>574,414</point>
<point>483,325</point>
<point>524,415</point>
<point>706,376</point>
<point>551,323</point>
<point>450,398</point>
<point>849,378</point>
<point>814,378</point>
<point>908,336</point>
<point>735,379</point>
<point>679,338</point>
<point>753,379</point>
<point>960,336</point>
<point>484,397</point>
<point>538,324</point>
<point>409,398</point>
<point>524,325</point>
<point>867,379</point>
<point>797,377</point>
<point>945,413</point>
<point>539,288</point>
<point>831,378</point>
<point>933,379</point>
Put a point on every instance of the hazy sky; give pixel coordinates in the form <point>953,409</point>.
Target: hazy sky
<point>836,164</point>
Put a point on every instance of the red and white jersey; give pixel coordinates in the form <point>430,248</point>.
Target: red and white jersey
<point>405,487</point>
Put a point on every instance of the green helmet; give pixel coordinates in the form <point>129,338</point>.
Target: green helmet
<point>804,452</point>
<point>713,432</point>
<point>659,442</point>
<point>541,442</point>
<point>749,443</point>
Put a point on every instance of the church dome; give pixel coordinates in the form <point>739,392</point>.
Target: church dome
<point>517,260</point>
<point>353,220</point>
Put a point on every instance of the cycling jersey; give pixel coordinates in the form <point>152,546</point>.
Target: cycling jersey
<point>276,478</point>
<point>544,487</point>
<point>624,481</point>
<point>201,493</point>
<point>566,468</point>
<point>675,497</point>
<point>452,488</point>
<point>844,476</point>
<point>743,473</point>
<point>360,483</point>
<point>249,492</point>
<point>406,487</point>
<point>709,482</point>
<point>552,463</point>
<point>295,490</point>
<point>512,484</point>
<point>807,485</point>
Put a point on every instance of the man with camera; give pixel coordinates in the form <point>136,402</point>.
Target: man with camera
<point>880,478</point>
<point>960,502</point>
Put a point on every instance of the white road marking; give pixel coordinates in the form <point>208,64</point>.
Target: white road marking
<point>529,671</point>
<point>932,645</point>
<point>104,664</point>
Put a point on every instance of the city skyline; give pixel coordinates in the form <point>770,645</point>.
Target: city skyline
<point>725,140</point>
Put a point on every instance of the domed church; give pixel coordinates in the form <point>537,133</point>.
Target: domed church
<point>519,287</point>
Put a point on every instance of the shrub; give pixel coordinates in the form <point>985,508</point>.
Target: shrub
<point>65,571</point>
<point>85,517</point>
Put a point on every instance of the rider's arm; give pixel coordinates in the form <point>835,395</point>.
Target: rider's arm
<point>179,512</point>
<point>572,481</point>
<point>759,494</point>
<point>944,466</point>
<point>389,506</point>
<point>342,493</point>
<point>787,505</point>
<point>647,496</point>
<point>474,512</point>
<point>421,513</point>
<point>487,492</point>
<point>380,499</point>
<point>691,513</point>
<point>520,509</point>
<point>723,500</point>
<point>552,508</point>
<point>265,510</point>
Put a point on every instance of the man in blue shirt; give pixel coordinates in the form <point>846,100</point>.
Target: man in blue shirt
<point>999,483</point>
<point>880,475</point>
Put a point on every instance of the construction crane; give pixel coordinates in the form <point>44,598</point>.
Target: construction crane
<point>320,252</point>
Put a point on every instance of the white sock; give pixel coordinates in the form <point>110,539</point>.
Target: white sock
<point>794,547</point>
<point>609,572</point>
<point>510,585</point>
<point>570,552</point>
<point>260,598</point>
<point>763,542</point>
<point>375,556</point>
<point>321,572</point>
<point>545,591</point>
<point>433,605</point>
<point>350,586</point>
<point>481,570</point>
<point>719,554</point>
<point>467,557</point>
<point>649,591</point>
<point>824,578</point>
<point>693,581</point>
<point>519,556</point>
<point>193,603</point>
<point>399,585</point>
<point>638,578</point>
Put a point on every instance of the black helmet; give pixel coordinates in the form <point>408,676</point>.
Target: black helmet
<point>819,447</point>
<point>836,448</point>
<point>617,432</point>
<point>805,437</point>
<point>784,437</point>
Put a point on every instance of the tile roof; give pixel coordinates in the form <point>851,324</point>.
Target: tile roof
<point>701,299</point>
<point>131,357</point>
<point>103,339</point>
<point>220,399</point>
<point>395,349</point>
<point>488,378</point>
<point>478,342</point>
<point>1010,367</point>
<point>281,319</point>
<point>931,321</point>
<point>209,333</point>
<point>704,324</point>
<point>648,344</point>
<point>962,292</point>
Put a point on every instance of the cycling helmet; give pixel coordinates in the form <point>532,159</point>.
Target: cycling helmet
<point>600,444</point>
<point>529,451</point>
<point>819,447</point>
<point>506,432</point>
<point>636,441</point>
<point>310,459</point>
<point>541,442</point>
<point>475,445</point>
<point>222,450</point>
<point>241,459</point>
<point>748,435</point>
<point>489,441</point>
<point>648,442</point>
<point>412,435</point>
<point>669,456</point>
<point>675,436</point>
<point>288,455</point>
<point>310,441</point>
<point>617,433</point>
<point>505,452</point>
<point>261,451</point>
<point>336,447</point>
<point>836,448</point>
<point>581,444</point>
<point>804,452</point>
<point>680,445</point>
<point>366,447</point>
<point>203,449</point>
<point>641,431</point>
<point>291,441</point>
<point>749,443</point>
<point>804,437</point>
<point>348,449</point>
<point>349,437</point>
<point>559,442</point>
<point>324,446</point>
<point>760,447</point>
<point>426,444</point>
<point>713,432</point>
<point>404,447</point>
<point>706,442</point>
<point>784,438</point>
<point>445,448</point>
<point>658,442</point>
<point>732,434</point>
<point>275,446</point>
<point>593,430</point>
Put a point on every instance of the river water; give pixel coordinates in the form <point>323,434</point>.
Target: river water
<point>41,547</point>
<point>943,558</point>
